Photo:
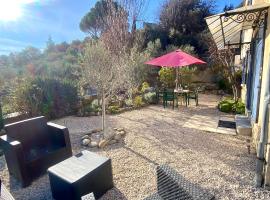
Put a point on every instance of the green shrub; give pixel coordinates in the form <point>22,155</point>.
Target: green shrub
<point>167,77</point>
<point>113,109</point>
<point>223,84</point>
<point>230,106</point>
<point>95,106</point>
<point>145,86</point>
<point>225,107</point>
<point>138,101</point>
<point>129,102</point>
<point>46,96</point>
<point>150,97</point>
<point>239,108</point>
<point>88,108</point>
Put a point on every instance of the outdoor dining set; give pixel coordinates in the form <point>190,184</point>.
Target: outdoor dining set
<point>173,96</point>
<point>176,59</point>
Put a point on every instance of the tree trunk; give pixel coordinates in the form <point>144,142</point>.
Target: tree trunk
<point>103,113</point>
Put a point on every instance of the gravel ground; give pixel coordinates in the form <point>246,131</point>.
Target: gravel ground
<point>219,163</point>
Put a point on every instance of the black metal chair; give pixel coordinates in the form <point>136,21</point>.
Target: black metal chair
<point>32,146</point>
<point>169,95</point>
<point>193,95</point>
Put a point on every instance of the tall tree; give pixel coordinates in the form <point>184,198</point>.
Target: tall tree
<point>94,22</point>
<point>184,21</point>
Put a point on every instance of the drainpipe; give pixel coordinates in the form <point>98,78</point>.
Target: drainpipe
<point>263,143</point>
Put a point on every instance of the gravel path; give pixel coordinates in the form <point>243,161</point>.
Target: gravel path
<point>219,163</point>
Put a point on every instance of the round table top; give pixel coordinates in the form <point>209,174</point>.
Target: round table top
<point>181,91</point>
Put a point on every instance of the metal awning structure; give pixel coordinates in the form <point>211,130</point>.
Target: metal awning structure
<point>229,28</point>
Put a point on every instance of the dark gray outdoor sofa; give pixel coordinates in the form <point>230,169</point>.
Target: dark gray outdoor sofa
<point>32,146</point>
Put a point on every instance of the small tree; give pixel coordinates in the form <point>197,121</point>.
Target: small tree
<point>224,60</point>
<point>106,72</point>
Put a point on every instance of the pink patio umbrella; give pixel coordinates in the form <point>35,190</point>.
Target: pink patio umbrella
<point>175,59</point>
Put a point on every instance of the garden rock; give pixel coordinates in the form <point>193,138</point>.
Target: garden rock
<point>93,144</point>
<point>103,143</point>
<point>86,137</point>
<point>122,133</point>
<point>117,136</point>
<point>86,142</point>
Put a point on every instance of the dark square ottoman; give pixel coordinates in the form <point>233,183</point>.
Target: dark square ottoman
<point>79,175</point>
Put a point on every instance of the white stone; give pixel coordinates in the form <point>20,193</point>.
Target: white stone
<point>103,143</point>
<point>120,129</point>
<point>93,144</point>
<point>86,137</point>
<point>85,142</point>
<point>122,133</point>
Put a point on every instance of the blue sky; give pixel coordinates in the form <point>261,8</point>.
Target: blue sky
<point>30,22</point>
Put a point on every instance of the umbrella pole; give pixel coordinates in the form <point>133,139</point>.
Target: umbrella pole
<point>177,80</point>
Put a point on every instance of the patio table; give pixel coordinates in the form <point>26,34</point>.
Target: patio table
<point>79,175</point>
<point>181,92</point>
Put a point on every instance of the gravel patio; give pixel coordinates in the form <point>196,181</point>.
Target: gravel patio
<point>217,162</point>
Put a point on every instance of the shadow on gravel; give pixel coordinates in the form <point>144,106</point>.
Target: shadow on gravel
<point>140,155</point>
<point>114,193</point>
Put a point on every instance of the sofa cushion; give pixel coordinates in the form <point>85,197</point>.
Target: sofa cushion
<point>38,152</point>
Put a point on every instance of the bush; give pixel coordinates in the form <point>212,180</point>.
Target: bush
<point>113,109</point>
<point>224,85</point>
<point>239,108</point>
<point>150,97</point>
<point>145,86</point>
<point>129,102</point>
<point>230,106</point>
<point>138,101</point>
<point>95,107</point>
<point>167,77</point>
<point>225,107</point>
<point>46,96</point>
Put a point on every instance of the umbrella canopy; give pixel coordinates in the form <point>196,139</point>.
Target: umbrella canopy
<point>176,58</point>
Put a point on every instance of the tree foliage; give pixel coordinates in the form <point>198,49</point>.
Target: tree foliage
<point>95,21</point>
<point>184,22</point>
<point>45,96</point>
